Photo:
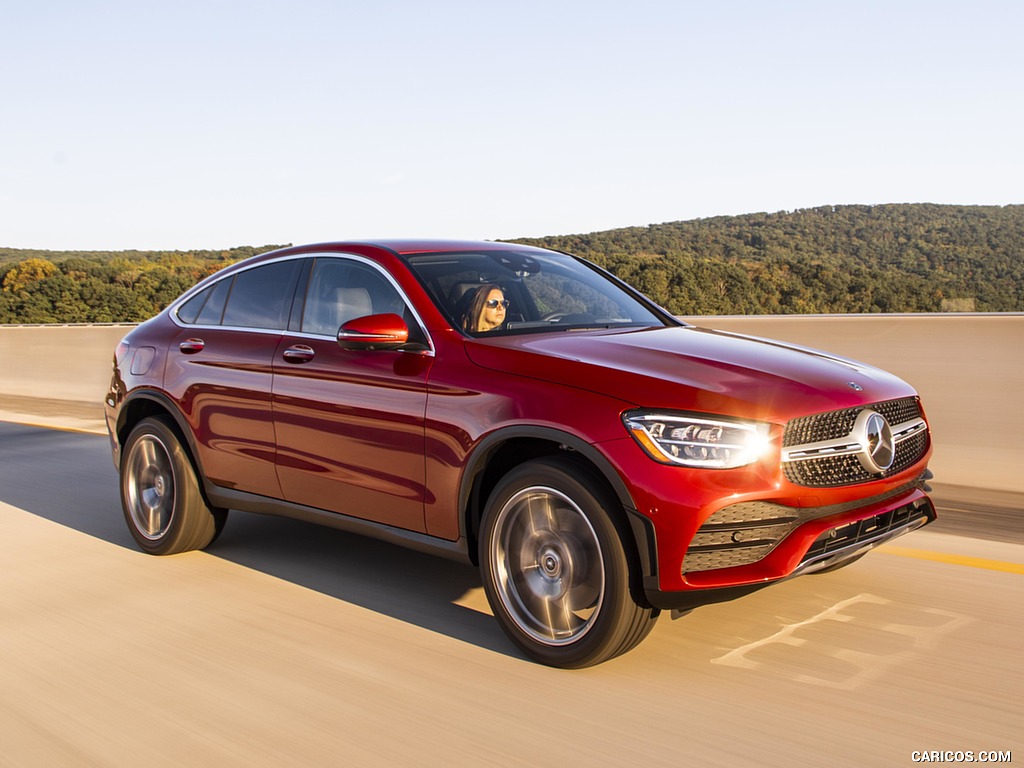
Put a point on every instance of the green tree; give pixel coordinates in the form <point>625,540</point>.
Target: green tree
<point>28,273</point>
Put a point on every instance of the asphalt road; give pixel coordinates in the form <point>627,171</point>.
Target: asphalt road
<point>290,645</point>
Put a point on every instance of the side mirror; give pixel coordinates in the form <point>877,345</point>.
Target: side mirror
<point>387,331</point>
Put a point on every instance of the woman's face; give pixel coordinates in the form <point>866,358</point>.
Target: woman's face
<point>494,311</point>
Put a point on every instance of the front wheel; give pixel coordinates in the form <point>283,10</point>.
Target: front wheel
<point>556,568</point>
<point>163,506</point>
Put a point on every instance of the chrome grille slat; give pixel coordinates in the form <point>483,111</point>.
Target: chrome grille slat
<point>816,452</point>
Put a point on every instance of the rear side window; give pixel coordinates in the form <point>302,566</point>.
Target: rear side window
<point>214,307</point>
<point>189,311</point>
<point>262,297</point>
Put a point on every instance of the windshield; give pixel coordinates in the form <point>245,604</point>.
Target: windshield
<point>507,292</point>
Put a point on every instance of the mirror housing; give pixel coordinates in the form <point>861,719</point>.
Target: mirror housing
<point>387,331</point>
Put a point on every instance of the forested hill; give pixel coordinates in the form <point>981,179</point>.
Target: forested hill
<point>851,258</point>
<point>883,258</point>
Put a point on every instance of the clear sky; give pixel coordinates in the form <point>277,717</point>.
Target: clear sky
<point>193,124</point>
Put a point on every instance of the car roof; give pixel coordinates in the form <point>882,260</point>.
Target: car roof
<point>402,247</point>
<point>408,246</point>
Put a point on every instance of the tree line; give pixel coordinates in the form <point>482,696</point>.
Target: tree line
<point>102,287</point>
<point>831,259</point>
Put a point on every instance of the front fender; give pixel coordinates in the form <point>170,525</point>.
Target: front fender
<point>478,461</point>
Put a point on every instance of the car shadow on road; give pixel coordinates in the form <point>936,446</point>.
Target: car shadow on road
<point>68,478</point>
<point>410,586</point>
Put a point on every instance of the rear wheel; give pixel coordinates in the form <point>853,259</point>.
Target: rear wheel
<point>160,496</point>
<point>555,567</point>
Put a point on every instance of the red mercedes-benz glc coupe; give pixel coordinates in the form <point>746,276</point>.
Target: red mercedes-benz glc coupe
<point>517,408</point>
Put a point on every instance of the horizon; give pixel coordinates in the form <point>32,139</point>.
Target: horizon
<point>507,239</point>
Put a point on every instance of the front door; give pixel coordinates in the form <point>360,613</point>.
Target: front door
<point>350,424</point>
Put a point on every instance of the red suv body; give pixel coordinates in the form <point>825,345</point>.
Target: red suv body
<point>520,409</point>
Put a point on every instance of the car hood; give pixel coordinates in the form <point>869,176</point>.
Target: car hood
<point>693,368</point>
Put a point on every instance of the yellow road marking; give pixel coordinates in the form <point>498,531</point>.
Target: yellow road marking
<point>942,557</point>
<point>58,427</point>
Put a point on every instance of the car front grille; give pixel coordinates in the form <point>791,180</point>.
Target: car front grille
<point>833,424</point>
<point>819,458</point>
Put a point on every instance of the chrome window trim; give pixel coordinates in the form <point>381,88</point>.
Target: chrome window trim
<point>343,255</point>
<point>202,285</point>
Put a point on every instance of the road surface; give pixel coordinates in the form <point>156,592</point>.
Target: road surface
<point>290,645</point>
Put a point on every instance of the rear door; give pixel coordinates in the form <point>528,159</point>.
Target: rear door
<point>220,370</point>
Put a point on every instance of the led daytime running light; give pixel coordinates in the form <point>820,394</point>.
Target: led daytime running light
<point>694,441</point>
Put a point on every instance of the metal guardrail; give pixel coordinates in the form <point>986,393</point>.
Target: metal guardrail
<point>67,325</point>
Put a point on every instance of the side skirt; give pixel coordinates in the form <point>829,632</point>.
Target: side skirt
<point>247,502</point>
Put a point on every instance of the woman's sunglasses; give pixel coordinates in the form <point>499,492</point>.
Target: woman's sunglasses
<point>493,303</point>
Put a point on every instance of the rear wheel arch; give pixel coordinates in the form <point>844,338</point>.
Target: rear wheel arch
<point>144,404</point>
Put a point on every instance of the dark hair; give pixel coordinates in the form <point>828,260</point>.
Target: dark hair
<point>471,319</point>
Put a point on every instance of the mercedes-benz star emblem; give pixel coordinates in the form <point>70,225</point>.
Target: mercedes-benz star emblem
<point>874,434</point>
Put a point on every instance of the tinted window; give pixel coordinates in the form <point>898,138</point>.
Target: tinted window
<point>341,290</point>
<point>262,297</point>
<point>189,311</point>
<point>543,291</point>
<point>214,307</point>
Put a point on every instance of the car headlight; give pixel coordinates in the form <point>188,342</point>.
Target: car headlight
<point>697,440</point>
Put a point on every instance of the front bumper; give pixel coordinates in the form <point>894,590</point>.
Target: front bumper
<point>846,542</point>
<point>822,542</point>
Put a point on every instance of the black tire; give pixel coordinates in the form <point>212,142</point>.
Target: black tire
<point>556,567</point>
<point>160,495</point>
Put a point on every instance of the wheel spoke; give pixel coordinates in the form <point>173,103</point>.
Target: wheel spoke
<point>540,514</point>
<point>568,618</point>
<point>153,521</point>
<point>549,619</point>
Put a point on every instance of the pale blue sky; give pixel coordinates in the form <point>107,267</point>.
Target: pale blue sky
<point>209,124</point>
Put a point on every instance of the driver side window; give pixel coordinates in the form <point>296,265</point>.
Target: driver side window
<point>341,290</point>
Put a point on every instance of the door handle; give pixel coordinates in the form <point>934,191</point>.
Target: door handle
<point>191,346</point>
<point>298,353</point>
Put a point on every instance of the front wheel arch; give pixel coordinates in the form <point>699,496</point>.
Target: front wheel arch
<point>501,451</point>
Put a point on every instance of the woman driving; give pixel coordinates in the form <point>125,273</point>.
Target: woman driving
<point>486,311</point>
